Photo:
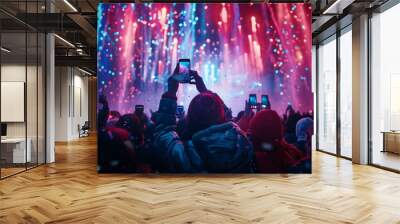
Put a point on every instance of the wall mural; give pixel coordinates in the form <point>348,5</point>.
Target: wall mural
<point>196,87</point>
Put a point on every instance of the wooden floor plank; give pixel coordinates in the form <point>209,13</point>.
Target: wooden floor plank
<point>71,191</point>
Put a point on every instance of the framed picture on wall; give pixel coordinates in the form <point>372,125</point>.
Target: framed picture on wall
<point>12,101</point>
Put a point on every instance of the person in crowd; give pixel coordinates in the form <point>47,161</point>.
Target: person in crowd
<point>103,114</point>
<point>208,143</point>
<point>125,136</point>
<point>272,153</point>
<point>113,118</point>
<point>146,124</point>
<point>228,113</point>
<point>103,138</point>
<point>117,146</point>
<point>134,153</point>
<point>307,114</point>
<point>120,143</point>
<point>239,116</point>
<point>304,132</point>
<point>244,121</point>
<point>144,120</point>
<point>290,120</point>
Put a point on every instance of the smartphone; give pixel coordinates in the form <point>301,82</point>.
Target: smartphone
<point>139,109</point>
<point>180,110</point>
<point>253,101</point>
<point>183,75</point>
<point>265,104</point>
<point>184,66</point>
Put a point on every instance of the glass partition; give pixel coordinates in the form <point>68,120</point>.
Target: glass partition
<point>385,89</point>
<point>327,95</point>
<point>31,97</point>
<point>22,88</point>
<point>14,145</point>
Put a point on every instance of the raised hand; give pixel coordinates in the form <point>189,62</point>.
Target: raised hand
<point>172,83</point>
<point>103,99</point>
<point>200,86</point>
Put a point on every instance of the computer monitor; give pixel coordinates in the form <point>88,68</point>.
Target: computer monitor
<point>3,130</point>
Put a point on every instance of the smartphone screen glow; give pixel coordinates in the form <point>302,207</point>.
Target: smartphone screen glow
<point>253,99</point>
<point>184,67</point>
<point>264,100</point>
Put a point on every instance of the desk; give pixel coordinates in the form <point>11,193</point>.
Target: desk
<point>13,150</point>
<point>391,141</point>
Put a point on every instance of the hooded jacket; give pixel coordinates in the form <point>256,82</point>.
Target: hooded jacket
<point>273,154</point>
<point>222,148</point>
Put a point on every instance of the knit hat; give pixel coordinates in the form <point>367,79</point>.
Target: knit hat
<point>266,128</point>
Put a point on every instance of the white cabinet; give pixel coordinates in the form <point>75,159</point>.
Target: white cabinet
<point>15,148</point>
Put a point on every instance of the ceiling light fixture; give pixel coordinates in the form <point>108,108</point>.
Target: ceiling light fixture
<point>337,7</point>
<point>79,51</point>
<point>84,71</point>
<point>5,50</point>
<point>334,5</point>
<point>64,40</point>
<point>70,5</point>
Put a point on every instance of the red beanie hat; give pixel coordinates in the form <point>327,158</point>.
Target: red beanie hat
<point>266,127</point>
<point>206,109</point>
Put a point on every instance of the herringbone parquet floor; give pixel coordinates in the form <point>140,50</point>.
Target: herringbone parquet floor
<point>70,191</point>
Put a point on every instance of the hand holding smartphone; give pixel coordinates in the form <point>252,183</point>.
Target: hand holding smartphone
<point>139,109</point>
<point>180,111</point>
<point>253,101</point>
<point>265,103</point>
<point>183,75</point>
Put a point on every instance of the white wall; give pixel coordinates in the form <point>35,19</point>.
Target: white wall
<point>61,103</point>
<point>81,98</point>
<point>71,102</point>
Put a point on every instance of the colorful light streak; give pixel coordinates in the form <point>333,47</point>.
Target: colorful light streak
<point>237,48</point>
